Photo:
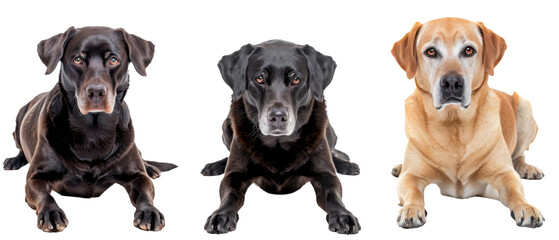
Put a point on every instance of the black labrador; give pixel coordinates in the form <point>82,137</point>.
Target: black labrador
<point>278,133</point>
<point>78,138</point>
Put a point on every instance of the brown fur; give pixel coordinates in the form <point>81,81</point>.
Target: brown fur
<point>76,152</point>
<point>466,152</point>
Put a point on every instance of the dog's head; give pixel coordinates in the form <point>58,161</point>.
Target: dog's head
<point>450,58</point>
<point>278,78</point>
<point>95,64</point>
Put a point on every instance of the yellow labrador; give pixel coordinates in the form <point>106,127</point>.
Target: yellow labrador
<point>462,135</point>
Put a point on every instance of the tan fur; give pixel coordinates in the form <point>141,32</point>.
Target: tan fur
<point>466,152</point>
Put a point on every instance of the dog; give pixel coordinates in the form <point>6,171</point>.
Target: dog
<point>463,136</point>
<point>78,138</point>
<point>278,133</point>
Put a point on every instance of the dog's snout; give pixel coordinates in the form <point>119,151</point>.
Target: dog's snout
<point>96,92</point>
<point>277,117</point>
<point>453,85</point>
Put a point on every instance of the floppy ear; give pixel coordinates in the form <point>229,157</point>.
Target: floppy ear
<point>321,71</point>
<point>404,51</point>
<point>140,51</point>
<point>51,50</point>
<point>233,70</point>
<point>494,48</point>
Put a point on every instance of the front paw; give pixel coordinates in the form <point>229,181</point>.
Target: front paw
<point>221,222</point>
<point>343,222</point>
<point>149,219</point>
<point>527,216</point>
<point>412,216</point>
<point>52,220</point>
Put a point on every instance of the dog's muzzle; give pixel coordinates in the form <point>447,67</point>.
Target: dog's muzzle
<point>451,90</point>
<point>96,98</point>
<point>277,120</point>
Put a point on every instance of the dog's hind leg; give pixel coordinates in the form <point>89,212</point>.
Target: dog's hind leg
<point>154,169</point>
<point>397,170</point>
<point>16,162</point>
<point>526,128</point>
<point>215,168</point>
<point>340,159</point>
<point>342,164</point>
<point>20,160</point>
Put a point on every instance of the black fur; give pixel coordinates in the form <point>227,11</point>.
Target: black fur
<point>280,76</point>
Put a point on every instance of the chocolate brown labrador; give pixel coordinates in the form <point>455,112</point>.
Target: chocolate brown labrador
<point>78,138</point>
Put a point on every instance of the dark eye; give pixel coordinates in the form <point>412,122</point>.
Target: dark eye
<point>114,61</point>
<point>78,60</point>
<point>295,80</point>
<point>469,51</point>
<point>431,52</point>
<point>259,79</point>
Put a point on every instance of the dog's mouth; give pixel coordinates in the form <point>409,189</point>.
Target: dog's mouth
<point>85,106</point>
<point>269,130</point>
<point>453,100</point>
<point>96,111</point>
<point>279,133</point>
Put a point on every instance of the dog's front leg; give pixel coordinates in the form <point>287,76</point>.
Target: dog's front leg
<point>329,197</point>
<point>232,193</point>
<point>511,194</point>
<point>44,173</point>
<point>50,218</point>
<point>410,192</point>
<point>141,192</point>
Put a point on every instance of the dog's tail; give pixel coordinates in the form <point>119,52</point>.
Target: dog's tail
<point>154,169</point>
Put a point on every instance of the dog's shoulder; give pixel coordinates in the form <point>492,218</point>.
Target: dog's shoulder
<point>414,109</point>
<point>124,116</point>
<point>54,101</point>
<point>507,101</point>
<point>240,122</point>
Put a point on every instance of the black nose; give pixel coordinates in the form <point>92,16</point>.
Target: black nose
<point>277,117</point>
<point>96,92</point>
<point>452,86</point>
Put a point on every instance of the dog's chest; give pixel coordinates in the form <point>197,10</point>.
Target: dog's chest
<point>84,184</point>
<point>278,162</point>
<point>280,172</point>
<point>459,169</point>
<point>468,189</point>
<point>283,184</point>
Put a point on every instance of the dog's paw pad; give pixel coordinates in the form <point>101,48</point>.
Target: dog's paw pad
<point>149,219</point>
<point>219,223</point>
<point>527,216</point>
<point>52,220</point>
<point>343,222</point>
<point>412,217</point>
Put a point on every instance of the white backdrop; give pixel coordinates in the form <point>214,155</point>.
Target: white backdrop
<point>178,109</point>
